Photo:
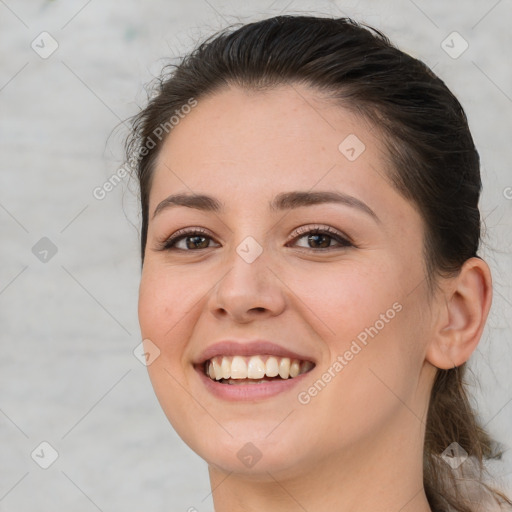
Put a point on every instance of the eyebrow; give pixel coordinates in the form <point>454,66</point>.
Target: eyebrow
<point>283,201</point>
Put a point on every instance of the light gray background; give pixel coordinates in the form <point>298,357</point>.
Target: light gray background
<point>68,375</point>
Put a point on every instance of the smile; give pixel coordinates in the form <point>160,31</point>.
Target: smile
<point>236,370</point>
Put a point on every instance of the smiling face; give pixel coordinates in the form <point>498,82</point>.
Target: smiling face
<point>349,299</point>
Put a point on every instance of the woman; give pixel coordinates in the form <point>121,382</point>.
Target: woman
<point>311,289</point>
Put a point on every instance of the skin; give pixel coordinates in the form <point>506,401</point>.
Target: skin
<point>358,444</point>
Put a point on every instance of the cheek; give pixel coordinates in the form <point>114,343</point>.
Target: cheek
<point>162,297</point>
<point>161,308</point>
<point>368,321</point>
<point>349,300</point>
<point>367,385</point>
<point>151,308</point>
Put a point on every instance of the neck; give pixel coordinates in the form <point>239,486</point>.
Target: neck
<point>361,479</point>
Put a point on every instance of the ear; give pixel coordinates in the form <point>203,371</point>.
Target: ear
<point>462,315</point>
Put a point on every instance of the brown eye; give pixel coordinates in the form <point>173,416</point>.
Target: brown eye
<point>197,242</point>
<point>318,238</point>
<point>321,238</point>
<point>193,239</point>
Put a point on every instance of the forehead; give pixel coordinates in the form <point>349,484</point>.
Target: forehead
<point>246,123</point>
<point>252,145</point>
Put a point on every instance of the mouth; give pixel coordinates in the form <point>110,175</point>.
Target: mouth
<point>240,370</point>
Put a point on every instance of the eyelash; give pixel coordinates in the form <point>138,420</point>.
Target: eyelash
<point>343,241</point>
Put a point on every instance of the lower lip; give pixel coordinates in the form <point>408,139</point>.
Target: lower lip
<point>240,392</point>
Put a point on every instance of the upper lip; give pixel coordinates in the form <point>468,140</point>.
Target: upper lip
<point>248,348</point>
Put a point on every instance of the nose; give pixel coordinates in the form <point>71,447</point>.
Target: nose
<point>248,290</point>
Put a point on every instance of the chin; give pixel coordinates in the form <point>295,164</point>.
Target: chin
<point>249,450</point>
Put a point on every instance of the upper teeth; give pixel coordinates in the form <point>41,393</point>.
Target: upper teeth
<point>255,367</point>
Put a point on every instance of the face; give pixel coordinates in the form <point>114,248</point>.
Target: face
<point>338,285</point>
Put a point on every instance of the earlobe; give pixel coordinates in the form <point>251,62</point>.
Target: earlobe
<point>463,315</point>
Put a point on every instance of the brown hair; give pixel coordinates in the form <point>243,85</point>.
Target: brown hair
<point>432,162</point>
